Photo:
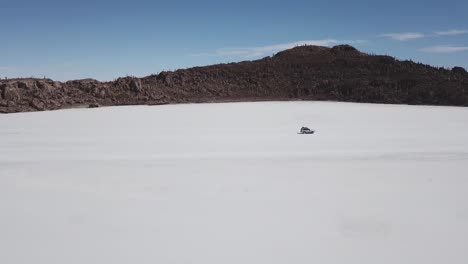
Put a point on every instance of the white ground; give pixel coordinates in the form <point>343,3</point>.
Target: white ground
<point>234,183</point>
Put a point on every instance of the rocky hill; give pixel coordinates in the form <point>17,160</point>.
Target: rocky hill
<point>341,73</point>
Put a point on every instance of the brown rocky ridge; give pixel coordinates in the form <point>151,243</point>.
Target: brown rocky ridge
<point>341,73</point>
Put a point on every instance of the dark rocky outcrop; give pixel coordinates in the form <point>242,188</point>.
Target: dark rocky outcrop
<point>459,70</point>
<point>341,73</point>
<point>93,105</point>
<point>11,93</point>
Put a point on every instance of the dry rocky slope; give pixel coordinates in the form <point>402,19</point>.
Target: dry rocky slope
<point>341,73</point>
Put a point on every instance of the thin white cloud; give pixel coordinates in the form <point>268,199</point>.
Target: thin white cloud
<point>452,32</point>
<point>404,36</point>
<point>8,71</point>
<point>445,49</point>
<point>270,49</point>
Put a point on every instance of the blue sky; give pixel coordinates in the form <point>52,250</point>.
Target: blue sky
<point>106,39</point>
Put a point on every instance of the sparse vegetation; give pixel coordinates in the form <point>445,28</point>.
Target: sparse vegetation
<point>341,73</point>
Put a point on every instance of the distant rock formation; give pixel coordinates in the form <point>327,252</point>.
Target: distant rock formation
<point>341,73</point>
